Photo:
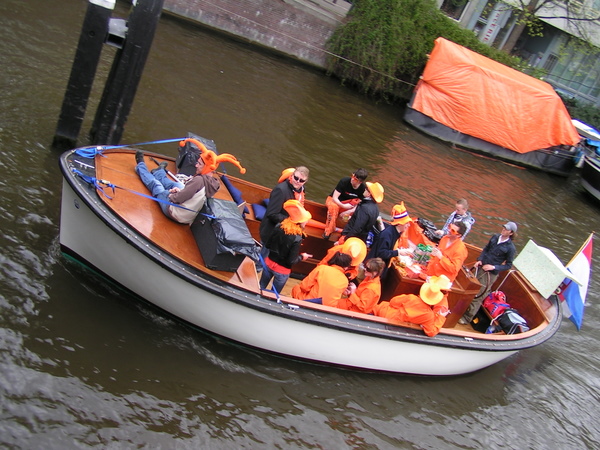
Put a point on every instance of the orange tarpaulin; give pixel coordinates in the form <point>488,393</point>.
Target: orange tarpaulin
<point>480,97</point>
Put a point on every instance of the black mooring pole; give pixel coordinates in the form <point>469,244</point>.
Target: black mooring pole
<point>93,34</point>
<point>125,73</point>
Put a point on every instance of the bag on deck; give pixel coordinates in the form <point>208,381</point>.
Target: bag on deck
<point>189,154</point>
<point>429,229</point>
<point>511,322</point>
<point>495,303</point>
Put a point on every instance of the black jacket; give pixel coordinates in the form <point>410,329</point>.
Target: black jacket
<point>501,256</point>
<point>362,220</point>
<point>284,249</point>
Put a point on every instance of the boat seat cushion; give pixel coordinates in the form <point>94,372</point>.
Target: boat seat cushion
<point>259,211</point>
<point>236,194</point>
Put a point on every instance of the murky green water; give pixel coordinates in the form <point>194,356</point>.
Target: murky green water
<point>83,365</point>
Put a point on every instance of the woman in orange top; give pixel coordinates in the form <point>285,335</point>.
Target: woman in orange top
<point>428,309</point>
<point>356,248</point>
<point>325,284</point>
<point>364,297</point>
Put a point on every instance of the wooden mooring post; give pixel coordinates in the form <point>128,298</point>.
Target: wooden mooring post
<point>133,38</point>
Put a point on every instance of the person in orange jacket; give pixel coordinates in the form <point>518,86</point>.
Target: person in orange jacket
<point>364,297</point>
<point>356,248</point>
<point>450,254</point>
<point>428,309</point>
<point>325,284</point>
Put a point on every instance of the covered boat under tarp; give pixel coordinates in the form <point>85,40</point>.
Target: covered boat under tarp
<point>480,104</point>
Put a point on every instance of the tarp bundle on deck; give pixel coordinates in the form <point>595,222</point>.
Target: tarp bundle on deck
<point>488,100</point>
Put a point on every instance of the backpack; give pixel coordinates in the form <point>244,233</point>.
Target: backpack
<point>495,303</point>
<point>429,229</point>
<point>511,322</point>
<point>189,154</point>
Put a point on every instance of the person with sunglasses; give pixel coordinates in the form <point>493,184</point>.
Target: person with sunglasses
<point>364,297</point>
<point>290,188</point>
<point>347,194</point>
<point>450,254</point>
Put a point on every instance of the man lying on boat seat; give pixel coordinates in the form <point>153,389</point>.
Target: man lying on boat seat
<point>428,309</point>
<point>178,201</point>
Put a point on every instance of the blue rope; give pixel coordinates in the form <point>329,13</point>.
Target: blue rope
<point>96,183</point>
<point>273,290</point>
<point>92,151</point>
<point>89,152</point>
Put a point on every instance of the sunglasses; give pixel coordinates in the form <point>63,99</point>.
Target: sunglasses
<point>298,179</point>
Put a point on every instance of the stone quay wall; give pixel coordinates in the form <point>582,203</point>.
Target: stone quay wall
<point>297,28</point>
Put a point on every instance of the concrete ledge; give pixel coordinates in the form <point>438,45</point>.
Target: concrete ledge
<point>296,28</point>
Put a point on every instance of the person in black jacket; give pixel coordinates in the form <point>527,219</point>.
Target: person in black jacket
<point>384,246</point>
<point>366,214</point>
<point>289,188</point>
<point>496,256</point>
<point>284,246</point>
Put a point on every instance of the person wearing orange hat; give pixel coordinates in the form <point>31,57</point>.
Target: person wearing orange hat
<point>450,254</point>
<point>356,248</point>
<point>385,246</point>
<point>284,246</point>
<point>289,188</point>
<point>325,284</point>
<point>366,214</point>
<point>364,297</point>
<point>180,202</point>
<point>345,197</point>
<point>428,309</point>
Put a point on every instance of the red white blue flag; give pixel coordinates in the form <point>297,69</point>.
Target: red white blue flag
<point>572,295</point>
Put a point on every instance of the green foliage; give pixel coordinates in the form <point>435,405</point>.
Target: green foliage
<point>583,112</point>
<point>383,47</point>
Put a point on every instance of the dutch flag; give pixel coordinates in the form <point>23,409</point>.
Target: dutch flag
<point>571,294</point>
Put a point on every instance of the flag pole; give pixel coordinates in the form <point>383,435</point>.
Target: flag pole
<point>581,248</point>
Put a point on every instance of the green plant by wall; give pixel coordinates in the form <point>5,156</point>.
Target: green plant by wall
<point>383,47</point>
<point>583,112</point>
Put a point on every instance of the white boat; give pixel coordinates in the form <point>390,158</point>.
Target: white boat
<point>125,237</point>
<point>586,130</point>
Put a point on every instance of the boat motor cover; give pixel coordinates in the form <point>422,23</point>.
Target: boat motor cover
<point>485,99</point>
<point>230,229</point>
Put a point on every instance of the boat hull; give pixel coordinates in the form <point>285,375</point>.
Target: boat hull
<point>556,162</point>
<point>91,232</point>
<point>590,176</point>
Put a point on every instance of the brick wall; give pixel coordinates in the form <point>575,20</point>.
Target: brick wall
<point>298,28</point>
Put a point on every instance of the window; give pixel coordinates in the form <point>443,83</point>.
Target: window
<point>454,8</point>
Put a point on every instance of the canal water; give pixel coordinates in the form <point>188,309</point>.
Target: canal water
<point>82,364</point>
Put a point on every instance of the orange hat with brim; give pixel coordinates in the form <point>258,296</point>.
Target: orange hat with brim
<point>296,211</point>
<point>376,191</point>
<point>356,248</point>
<point>431,291</point>
<point>285,174</point>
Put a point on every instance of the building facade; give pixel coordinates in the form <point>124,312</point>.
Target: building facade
<point>573,69</point>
